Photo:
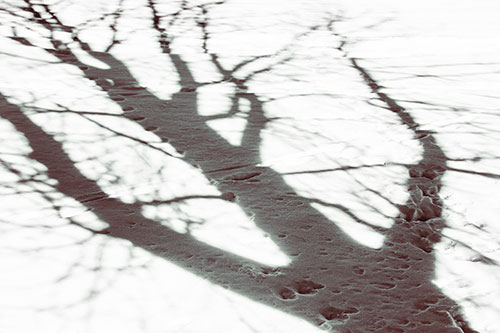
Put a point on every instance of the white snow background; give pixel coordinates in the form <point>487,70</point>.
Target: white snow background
<point>56,277</point>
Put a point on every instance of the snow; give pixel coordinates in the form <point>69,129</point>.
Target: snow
<point>334,142</point>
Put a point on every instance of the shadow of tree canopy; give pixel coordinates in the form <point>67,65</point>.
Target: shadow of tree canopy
<point>332,281</point>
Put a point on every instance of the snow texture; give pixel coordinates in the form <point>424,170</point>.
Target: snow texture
<point>249,166</point>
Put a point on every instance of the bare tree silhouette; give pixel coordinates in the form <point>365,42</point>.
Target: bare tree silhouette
<point>332,281</point>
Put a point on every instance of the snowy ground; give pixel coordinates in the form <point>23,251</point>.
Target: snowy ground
<point>326,132</point>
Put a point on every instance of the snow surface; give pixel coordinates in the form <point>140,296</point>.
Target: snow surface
<point>439,60</point>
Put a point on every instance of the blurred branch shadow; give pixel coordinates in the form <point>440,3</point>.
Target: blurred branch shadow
<point>333,281</point>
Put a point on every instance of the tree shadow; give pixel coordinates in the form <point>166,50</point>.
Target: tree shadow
<point>332,280</point>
